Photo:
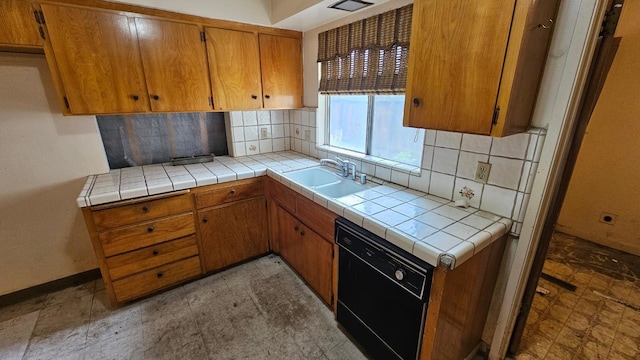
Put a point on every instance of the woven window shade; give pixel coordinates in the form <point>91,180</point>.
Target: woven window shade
<point>368,56</point>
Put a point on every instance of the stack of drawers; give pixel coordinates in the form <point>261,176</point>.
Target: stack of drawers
<point>144,246</point>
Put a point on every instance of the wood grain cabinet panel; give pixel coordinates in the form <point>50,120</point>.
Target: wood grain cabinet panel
<point>281,62</point>
<point>234,64</point>
<point>175,65</point>
<point>225,193</point>
<point>153,280</point>
<point>307,252</point>
<point>140,211</point>
<point>98,60</point>
<point>233,232</point>
<point>19,27</point>
<point>476,68</point>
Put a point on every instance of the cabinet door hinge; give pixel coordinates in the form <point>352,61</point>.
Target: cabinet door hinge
<point>612,16</point>
<point>331,299</point>
<point>66,102</point>
<point>496,114</point>
<point>39,17</point>
<point>211,101</point>
<point>203,36</point>
<point>41,30</point>
<point>333,253</point>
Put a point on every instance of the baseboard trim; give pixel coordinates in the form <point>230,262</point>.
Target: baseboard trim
<point>51,286</point>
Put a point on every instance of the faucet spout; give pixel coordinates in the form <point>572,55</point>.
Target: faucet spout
<point>342,164</point>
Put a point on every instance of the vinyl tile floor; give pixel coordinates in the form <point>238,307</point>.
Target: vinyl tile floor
<point>600,319</point>
<point>258,310</point>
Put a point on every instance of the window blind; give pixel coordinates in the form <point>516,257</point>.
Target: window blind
<point>368,56</point>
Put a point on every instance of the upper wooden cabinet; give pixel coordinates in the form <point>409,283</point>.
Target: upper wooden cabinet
<point>251,71</point>
<point>234,63</point>
<point>175,65</point>
<point>476,68</point>
<point>19,27</point>
<point>281,62</point>
<point>98,60</point>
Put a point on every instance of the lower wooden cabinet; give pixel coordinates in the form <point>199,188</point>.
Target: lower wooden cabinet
<point>144,245</point>
<point>308,253</point>
<point>232,222</point>
<point>233,232</point>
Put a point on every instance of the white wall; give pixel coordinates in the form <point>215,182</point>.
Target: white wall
<point>44,161</point>
<point>256,12</point>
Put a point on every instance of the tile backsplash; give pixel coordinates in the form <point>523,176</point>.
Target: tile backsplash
<point>448,164</point>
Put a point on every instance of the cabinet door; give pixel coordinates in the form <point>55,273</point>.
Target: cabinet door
<point>455,63</point>
<point>234,64</point>
<point>281,62</point>
<point>175,65</point>
<point>308,253</point>
<point>98,60</point>
<point>233,233</point>
<point>18,24</point>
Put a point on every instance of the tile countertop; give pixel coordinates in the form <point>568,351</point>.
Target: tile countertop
<point>429,227</point>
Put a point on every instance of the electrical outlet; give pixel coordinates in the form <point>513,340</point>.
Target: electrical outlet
<point>264,134</point>
<point>482,172</point>
<point>307,135</point>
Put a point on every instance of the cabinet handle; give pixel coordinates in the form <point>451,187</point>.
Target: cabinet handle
<point>204,220</point>
<point>155,252</point>
<point>416,102</point>
<point>296,228</point>
<point>155,97</point>
<point>159,275</point>
<point>232,192</point>
<point>150,229</point>
<point>145,209</point>
<point>268,96</point>
<point>254,97</point>
<point>135,97</point>
<point>302,232</point>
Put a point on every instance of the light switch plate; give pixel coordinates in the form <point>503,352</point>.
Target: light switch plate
<point>482,172</point>
<point>264,134</point>
<point>307,135</point>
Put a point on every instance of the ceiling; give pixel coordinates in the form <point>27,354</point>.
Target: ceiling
<point>300,15</point>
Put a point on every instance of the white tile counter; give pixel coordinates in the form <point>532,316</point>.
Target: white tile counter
<point>429,227</point>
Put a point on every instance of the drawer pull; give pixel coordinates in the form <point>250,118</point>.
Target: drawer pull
<point>159,275</point>
<point>232,192</point>
<point>155,253</point>
<point>145,209</point>
<point>204,220</point>
<point>296,228</point>
<point>254,96</point>
<point>150,229</point>
<point>302,232</point>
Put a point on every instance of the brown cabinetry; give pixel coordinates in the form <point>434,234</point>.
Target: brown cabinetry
<point>302,232</point>
<point>232,222</point>
<point>253,71</point>
<point>174,60</point>
<point>19,26</point>
<point>281,62</point>
<point>476,67</point>
<point>145,245</point>
<point>110,62</point>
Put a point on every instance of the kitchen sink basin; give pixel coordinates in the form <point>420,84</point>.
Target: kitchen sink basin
<point>313,177</point>
<point>343,188</point>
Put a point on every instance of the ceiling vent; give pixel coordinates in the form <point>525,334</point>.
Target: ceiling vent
<point>350,5</point>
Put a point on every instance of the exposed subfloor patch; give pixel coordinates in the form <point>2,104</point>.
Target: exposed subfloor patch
<point>259,310</point>
<point>600,319</point>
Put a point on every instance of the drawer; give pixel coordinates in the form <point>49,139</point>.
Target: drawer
<point>152,256</point>
<point>225,193</point>
<point>282,194</point>
<point>149,281</point>
<point>141,211</point>
<point>146,234</point>
<point>319,219</point>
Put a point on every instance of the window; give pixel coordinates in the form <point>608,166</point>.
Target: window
<point>372,125</point>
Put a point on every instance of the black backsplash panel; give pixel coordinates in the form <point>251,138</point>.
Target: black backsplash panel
<point>133,140</point>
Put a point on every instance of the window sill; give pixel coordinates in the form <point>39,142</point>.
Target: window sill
<point>371,165</point>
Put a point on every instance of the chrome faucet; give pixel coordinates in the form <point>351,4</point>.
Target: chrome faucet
<point>353,170</point>
<point>342,164</point>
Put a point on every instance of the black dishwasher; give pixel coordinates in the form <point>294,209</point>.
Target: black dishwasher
<point>382,293</point>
